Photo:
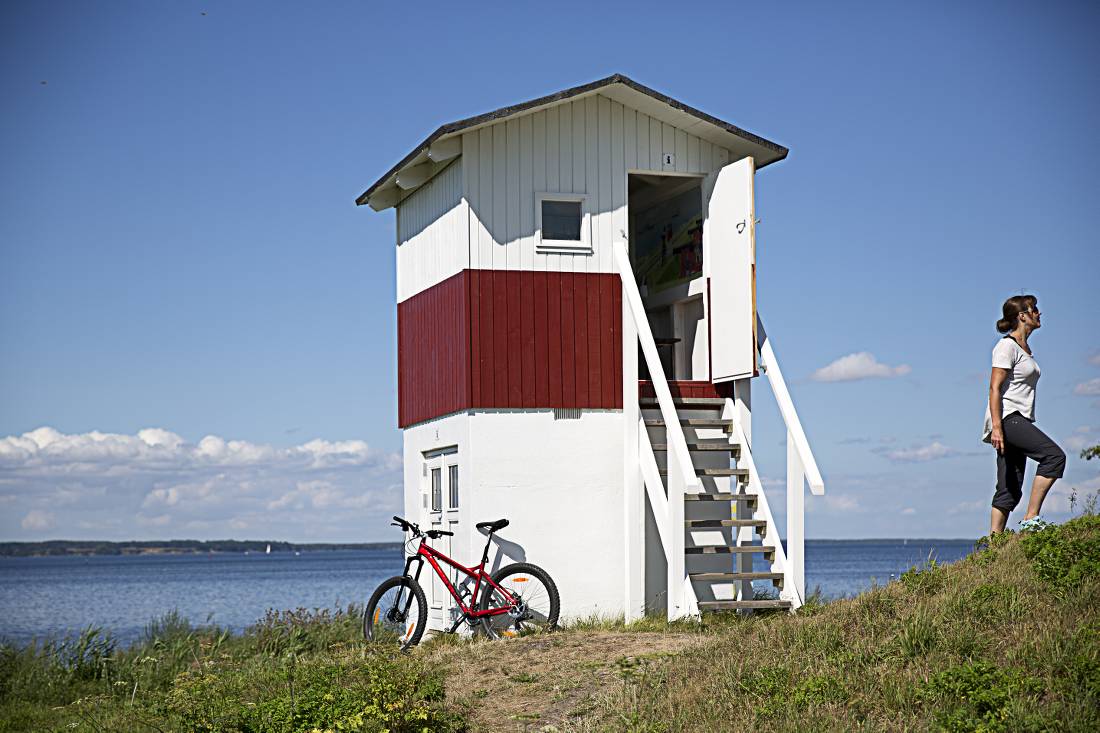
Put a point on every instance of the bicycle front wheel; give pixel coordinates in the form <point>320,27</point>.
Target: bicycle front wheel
<point>535,605</point>
<point>396,613</point>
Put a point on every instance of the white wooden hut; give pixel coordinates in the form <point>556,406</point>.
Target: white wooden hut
<point>577,340</point>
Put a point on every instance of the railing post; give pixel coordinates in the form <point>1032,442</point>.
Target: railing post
<point>634,527</point>
<point>677,533</point>
<point>795,572</point>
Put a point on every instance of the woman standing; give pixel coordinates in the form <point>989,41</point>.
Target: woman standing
<point>1010,418</point>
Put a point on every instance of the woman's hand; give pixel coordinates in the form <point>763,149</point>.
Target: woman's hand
<point>998,439</point>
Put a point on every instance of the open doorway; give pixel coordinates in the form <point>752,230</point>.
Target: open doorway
<point>666,251</point>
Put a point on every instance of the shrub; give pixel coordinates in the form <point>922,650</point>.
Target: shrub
<point>381,693</point>
<point>977,696</point>
<point>819,690</point>
<point>923,578</point>
<point>1065,556</point>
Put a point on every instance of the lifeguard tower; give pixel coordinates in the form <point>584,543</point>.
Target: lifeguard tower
<point>577,341</point>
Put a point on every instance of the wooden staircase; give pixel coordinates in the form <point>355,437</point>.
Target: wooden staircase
<point>724,532</point>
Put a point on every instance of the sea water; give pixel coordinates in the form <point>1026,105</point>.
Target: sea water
<point>53,596</point>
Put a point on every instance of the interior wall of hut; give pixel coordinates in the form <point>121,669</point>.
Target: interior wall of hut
<point>666,251</point>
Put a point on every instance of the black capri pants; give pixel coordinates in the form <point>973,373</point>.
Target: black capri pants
<point>1022,441</point>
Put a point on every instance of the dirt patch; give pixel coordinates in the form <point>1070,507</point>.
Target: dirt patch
<point>543,683</point>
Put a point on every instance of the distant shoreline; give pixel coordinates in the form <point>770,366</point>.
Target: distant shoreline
<point>61,548</point>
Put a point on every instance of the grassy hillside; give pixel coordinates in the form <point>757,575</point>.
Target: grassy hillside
<point>1005,640</point>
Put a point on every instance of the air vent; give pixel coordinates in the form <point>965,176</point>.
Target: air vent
<point>567,413</point>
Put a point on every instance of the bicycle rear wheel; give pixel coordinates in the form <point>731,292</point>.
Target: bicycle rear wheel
<point>396,613</point>
<point>536,605</point>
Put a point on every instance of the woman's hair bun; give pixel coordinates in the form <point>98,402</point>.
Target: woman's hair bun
<point>1004,325</point>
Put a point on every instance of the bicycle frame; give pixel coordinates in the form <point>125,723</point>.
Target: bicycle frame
<point>428,553</point>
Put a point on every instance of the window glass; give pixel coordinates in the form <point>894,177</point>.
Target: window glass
<point>452,485</point>
<point>437,490</point>
<point>561,220</point>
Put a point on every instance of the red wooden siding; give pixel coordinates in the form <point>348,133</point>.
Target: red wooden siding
<point>433,366</point>
<point>510,338</point>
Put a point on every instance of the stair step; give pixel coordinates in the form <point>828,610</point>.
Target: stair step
<point>741,473</point>
<point>692,422</point>
<point>732,605</point>
<point>691,403</point>
<point>729,550</point>
<point>701,445</point>
<point>716,523</point>
<point>736,576</point>
<point>747,498</point>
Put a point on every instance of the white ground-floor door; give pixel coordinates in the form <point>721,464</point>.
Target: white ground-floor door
<point>441,505</point>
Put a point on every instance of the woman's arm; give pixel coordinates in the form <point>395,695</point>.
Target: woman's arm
<point>996,380</point>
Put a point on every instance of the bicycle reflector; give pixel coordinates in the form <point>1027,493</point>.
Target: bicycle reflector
<point>519,580</point>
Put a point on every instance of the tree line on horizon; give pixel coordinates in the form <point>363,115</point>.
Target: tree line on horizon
<point>138,547</point>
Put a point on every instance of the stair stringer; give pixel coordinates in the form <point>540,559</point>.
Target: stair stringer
<point>754,487</point>
<point>658,500</point>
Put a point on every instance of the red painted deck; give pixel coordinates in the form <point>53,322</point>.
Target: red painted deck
<point>510,338</point>
<point>688,388</point>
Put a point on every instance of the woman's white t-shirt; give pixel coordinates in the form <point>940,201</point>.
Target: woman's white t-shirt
<point>1018,391</point>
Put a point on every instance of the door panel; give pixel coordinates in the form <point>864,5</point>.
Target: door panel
<point>729,263</point>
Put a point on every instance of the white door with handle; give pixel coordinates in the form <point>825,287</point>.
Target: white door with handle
<point>729,264</point>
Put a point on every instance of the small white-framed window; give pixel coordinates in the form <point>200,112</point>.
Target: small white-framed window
<point>563,223</point>
<point>437,490</point>
<point>452,486</point>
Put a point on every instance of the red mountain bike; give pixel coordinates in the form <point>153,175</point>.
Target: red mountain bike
<point>517,599</point>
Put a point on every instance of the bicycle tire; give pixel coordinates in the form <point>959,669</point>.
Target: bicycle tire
<point>389,624</point>
<point>543,604</point>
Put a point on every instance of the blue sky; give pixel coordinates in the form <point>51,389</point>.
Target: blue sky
<point>180,252</point>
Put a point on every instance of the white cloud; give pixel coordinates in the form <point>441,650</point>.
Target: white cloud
<point>1091,387</point>
<point>1095,359</point>
<point>1083,437</point>
<point>861,365</point>
<point>908,510</point>
<point>112,486</point>
<point>921,454</point>
<point>38,520</point>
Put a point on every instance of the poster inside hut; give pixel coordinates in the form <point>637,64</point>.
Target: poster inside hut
<point>668,246</point>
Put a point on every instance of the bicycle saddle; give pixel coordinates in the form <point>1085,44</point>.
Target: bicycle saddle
<point>492,526</point>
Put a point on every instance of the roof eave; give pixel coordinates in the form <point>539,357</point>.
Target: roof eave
<point>453,128</point>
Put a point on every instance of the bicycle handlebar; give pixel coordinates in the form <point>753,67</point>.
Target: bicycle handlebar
<point>407,526</point>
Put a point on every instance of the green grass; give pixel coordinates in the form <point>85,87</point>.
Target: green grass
<point>1006,640</point>
<point>292,671</point>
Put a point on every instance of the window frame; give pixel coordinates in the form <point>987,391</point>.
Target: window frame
<point>563,246</point>
<point>453,499</point>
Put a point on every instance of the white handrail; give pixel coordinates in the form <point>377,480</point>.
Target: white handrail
<point>681,472</point>
<point>677,442</point>
<point>770,365</point>
<point>755,488</point>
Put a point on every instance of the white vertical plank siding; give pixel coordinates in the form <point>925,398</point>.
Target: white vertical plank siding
<point>681,152</point>
<point>432,233</point>
<point>583,146</point>
<point>618,181</point>
<point>592,182</point>
<point>482,205</point>
<point>471,182</point>
<point>656,145</point>
<point>603,202</point>
<point>514,260</point>
<point>538,180</point>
